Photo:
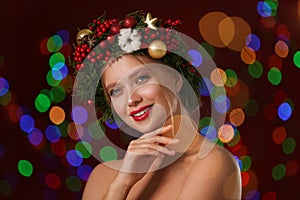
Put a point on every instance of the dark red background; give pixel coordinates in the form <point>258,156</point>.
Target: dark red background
<point>25,23</point>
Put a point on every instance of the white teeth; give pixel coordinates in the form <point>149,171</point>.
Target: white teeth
<point>142,112</point>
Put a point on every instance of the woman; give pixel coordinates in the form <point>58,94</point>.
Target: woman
<point>144,92</point>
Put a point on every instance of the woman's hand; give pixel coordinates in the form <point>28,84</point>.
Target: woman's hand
<point>144,155</point>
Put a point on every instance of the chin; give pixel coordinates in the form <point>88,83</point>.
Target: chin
<point>147,125</point>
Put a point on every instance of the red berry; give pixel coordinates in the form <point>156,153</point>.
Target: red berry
<point>129,22</point>
<point>115,28</point>
<point>78,66</point>
<point>110,39</point>
<point>102,45</point>
<point>153,36</point>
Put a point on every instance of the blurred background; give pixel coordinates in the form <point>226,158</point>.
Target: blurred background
<point>255,45</point>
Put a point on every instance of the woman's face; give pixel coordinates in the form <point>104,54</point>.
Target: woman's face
<point>142,92</point>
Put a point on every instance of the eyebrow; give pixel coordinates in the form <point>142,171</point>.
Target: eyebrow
<point>111,85</point>
<point>135,73</point>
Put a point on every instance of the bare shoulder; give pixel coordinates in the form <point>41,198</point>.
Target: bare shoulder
<point>218,160</point>
<point>100,180</point>
<point>217,174</point>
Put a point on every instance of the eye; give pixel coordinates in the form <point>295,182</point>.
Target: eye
<point>142,79</point>
<point>115,91</point>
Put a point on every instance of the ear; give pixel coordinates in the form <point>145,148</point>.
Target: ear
<point>178,81</point>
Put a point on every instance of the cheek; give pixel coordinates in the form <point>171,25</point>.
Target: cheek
<point>151,92</point>
<point>119,105</point>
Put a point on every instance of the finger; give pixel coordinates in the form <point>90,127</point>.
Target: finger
<point>157,131</point>
<point>161,140</point>
<point>147,149</point>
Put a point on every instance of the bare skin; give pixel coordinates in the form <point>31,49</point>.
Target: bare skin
<point>214,177</point>
<point>139,175</point>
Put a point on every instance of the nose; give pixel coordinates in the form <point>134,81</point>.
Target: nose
<point>134,99</point>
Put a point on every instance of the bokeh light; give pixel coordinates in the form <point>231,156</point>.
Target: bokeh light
<point>218,77</point>
<point>53,133</point>
<point>248,55</point>
<point>73,183</point>
<point>232,78</point>
<point>296,59</point>
<point>111,124</point>
<point>289,145</point>
<point>79,115</point>
<point>84,172</point>
<point>253,42</point>
<point>42,103</point>
<point>59,94</point>
<point>56,58</point>
<point>54,43</point>
<point>279,135</point>
<point>4,86</point>
<point>275,61</point>
<point>35,137</point>
<point>84,148</point>
<point>284,111</point>
<point>255,69</point>
<point>53,181</point>
<point>267,8</point>
<point>292,168</point>
<point>27,123</point>
<point>222,104</point>
<point>57,115</point>
<point>59,147</point>
<point>226,133</point>
<point>51,80</point>
<point>278,172</point>
<point>25,168</point>
<point>274,76</point>
<point>246,162</point>
<point>108,153</point>
<point>237,117</point>
<point>196,57</point>
<point>64,35</point>
<point>281,49</point>
<point>59,71</point>
<point>74,157</point>
<point>208,27</point>
<point>5,99</point>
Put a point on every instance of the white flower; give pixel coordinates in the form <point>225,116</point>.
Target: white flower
<point>129,40</point>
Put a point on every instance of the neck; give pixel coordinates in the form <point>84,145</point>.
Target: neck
<point>184,129</point>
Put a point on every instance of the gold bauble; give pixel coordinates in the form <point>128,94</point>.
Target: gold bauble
<point>157,49</point>
<point>82,34</point>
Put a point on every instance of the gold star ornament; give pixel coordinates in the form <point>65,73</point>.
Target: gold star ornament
<point>151,22</point>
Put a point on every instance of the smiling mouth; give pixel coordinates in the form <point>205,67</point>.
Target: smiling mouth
<point>141,113</point>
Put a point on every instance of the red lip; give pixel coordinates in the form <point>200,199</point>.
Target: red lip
<point>143,116</point>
